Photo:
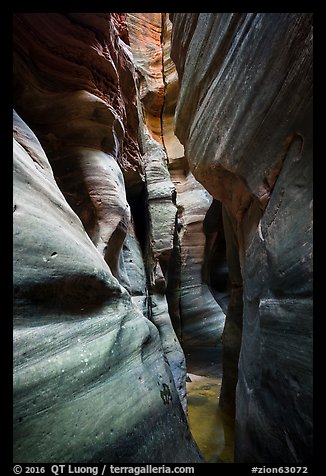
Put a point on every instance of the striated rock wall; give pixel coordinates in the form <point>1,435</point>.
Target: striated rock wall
<point>202,318</point>
<point>145,36</point>
<point>201,314</point>
<point>99,374</point>
<point>244,118</point>
<point>196,314</point>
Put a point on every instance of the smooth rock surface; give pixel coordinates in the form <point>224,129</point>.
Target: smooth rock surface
<point>202,318</point>
<point>196,315</point>
<point>145,30</point>
<point>89,368</point>
<point>232,333</point>
<point>244,118</point>
<point>174,148</point>
<point>98,376</point>
<point>161,211</point>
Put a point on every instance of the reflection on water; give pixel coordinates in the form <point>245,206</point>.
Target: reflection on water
<point>212,429</point>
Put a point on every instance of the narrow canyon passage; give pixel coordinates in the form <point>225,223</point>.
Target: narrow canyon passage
<point>212,428</point>
<point>162,238</point>
<point>196,271</point>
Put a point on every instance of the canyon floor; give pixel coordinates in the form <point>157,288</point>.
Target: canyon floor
<point>211,428</point>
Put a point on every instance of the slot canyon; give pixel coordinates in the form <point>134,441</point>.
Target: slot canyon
<point>162,225</point>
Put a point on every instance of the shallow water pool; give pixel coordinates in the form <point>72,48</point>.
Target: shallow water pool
<point>210,427</point>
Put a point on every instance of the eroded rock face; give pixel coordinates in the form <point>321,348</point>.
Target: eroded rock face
<point>196,315</point>
<point>145,30</point>
<point>202,318</point>
<point>244,118</point>
<point>161,215</point>
<point>98,374</point>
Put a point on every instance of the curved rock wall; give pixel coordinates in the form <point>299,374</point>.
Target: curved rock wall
<point>197,316</point>
<point>114,237</point>
<point>202,317</point>
<point>145,30</point>
<point>244,118</point>
<point>98,371</point>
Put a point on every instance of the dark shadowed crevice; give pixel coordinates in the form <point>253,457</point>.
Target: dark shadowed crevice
<point>163,33</point>
<point>215,268</point>
<point>138,202</point>
<point>232,333</point>
<point>138,207</point>
<point>113,248</point>
<point>174,283</point>
<point>222,273</point>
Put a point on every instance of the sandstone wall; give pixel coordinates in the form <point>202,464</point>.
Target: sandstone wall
<point>244,118</point>
<point>196,314</point>
<point>99,374</point>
